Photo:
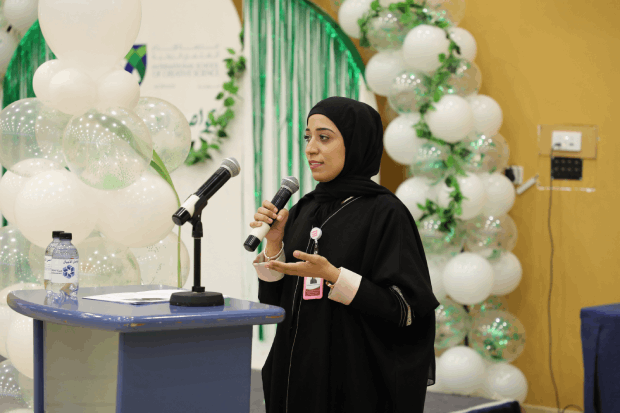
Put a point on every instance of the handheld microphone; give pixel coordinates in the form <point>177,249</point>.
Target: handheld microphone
<point>290,185</point>
<point>197,201</point>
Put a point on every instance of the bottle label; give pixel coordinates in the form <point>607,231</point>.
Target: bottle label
<point>47,274</point>
<point>65,270</point>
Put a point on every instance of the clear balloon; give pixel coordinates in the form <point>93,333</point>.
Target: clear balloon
<point>159,262</point>
<point>26,386</point>
<point>382,69</point>
<point>108,149</point>
<point>451,10</point>
<point>105,263</point>
<point>485,153</point>
<point>408,92</point>
<point>80,33</point>
<point>400,139</point>
<point>472,189</point>
<point>436,239</point>
<point>386,32</point>
<point>54,201</point>
<point>169,130</point>
<point>452,120</point>
<point>468,278</point>
<point>505,381</point>
<point>19,344</point>
<point>498,336</point>
<point>14,259</point>
<point>430,162</point>
<point>119,88</point>
<point>139,215</point>
<point>466,81</point>
<point>500,193</point>
<point>452,323</point>
<point>486,234</point>
<point>10,390</point>
<point>492,303</point>
<point>412,192</point>
<point>422,47</point>
<point>461,370</point>
<point>30,130</point>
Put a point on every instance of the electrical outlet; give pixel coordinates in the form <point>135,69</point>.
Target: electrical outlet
<point>569,141</point>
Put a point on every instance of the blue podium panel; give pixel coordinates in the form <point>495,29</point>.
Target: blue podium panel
<point>98,357</point>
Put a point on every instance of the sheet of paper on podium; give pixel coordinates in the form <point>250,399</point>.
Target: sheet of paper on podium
<point>142,297</point>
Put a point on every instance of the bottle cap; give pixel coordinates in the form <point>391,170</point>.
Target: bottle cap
<point>56,234</point>
<point>66,235</point>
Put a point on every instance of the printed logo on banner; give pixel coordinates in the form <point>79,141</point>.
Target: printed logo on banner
<point>136,61</point>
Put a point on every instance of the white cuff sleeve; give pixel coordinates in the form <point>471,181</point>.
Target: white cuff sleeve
<point>346,287</point>
<point>266,274</point>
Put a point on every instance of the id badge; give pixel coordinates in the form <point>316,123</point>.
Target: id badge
<point>313,288</point>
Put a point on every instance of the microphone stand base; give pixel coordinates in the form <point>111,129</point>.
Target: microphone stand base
<point>197,299</point>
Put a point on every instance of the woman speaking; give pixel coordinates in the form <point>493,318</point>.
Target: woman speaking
<point>347,265</point>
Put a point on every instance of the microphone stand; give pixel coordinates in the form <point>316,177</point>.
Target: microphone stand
<point>198,297</point>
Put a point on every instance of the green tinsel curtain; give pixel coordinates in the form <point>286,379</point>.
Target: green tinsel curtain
<point>30,54</point>
<point>298,55</point>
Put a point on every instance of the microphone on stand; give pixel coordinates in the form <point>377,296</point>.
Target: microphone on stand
<point>191,210</point>
<point>289,186</point>
<point>197,201</point>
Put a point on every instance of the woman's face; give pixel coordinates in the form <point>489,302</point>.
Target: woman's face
<point>324,148</point>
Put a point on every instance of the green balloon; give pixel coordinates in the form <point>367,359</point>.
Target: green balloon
<point>452,323</point>
<point>492,303</point>
<point>498,336</point>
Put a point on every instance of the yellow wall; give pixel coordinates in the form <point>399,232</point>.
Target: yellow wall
<point>553,62</point>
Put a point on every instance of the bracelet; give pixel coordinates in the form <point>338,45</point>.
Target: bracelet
<point>275,256</point>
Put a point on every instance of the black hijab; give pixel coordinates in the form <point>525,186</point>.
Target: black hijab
<point>362,131</point>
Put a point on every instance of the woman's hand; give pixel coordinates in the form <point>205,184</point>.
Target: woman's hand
<point>312,266</point>
<point>277,219</point>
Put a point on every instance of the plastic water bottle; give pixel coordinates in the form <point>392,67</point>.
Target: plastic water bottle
<point>47,274</point>
<point>65,267</point>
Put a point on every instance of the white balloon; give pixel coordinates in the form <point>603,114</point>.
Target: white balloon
<point>34,166</point>
<point>350,12</point>
<point>158,262</point>
<point>382,69</point>
<point>412,192</point>
<point>119,88</point>
<point>472,189</point>
<point>400,139</point>
<point>500,194</point>
<point>54,201</point>
<point>43,77</point>
<point>468,278</point>
<point>5,323</point>
<point>72,91</point>
<point>422,47</point>
<point>505,381</point>
<point>507,274</point>
<point>465,41</point>
<point>8,44</point>
<point>488,115</point>
<point>20,13</point>
<point>461,370</point>
<point>139,215</point>
<point>436,273</point>
<point>90,35</point>
<point>10,185</point>
<point>19,344</point>
<point>452,119</point>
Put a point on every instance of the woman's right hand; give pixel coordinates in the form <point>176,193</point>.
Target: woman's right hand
<point>277,219</point>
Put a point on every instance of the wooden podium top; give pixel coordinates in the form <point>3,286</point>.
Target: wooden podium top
<point>129,318</point>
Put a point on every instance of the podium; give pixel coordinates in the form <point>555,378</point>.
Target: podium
<point>95,356</point>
